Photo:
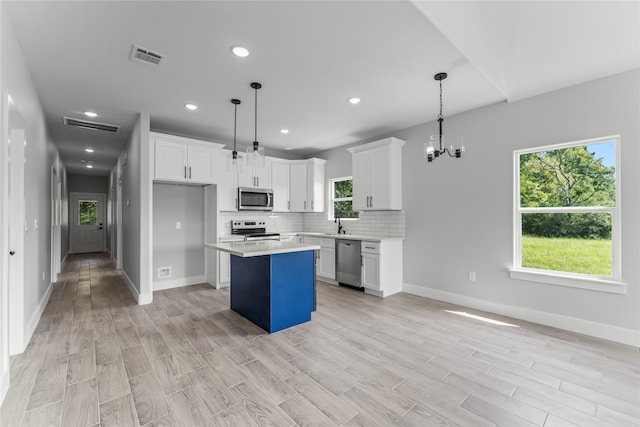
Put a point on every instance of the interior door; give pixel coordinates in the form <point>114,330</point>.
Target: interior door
<point>88,230</point>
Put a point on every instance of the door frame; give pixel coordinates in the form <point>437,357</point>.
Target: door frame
<point>73,217</point>
<point>56,224</point>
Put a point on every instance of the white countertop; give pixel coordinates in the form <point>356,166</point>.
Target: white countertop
<point>261,247</point>
<point>361,237</point>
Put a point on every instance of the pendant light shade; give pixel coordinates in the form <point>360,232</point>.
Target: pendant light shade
<point>255,153</point>
<point>234,162</point>
<point>435,146</point>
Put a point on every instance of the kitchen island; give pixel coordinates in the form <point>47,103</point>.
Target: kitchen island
<point>272,282</point>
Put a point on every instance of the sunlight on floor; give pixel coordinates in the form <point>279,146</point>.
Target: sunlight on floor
<point>484,319</point>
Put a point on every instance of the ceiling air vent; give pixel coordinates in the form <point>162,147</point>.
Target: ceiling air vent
<point>145,55</point>
<point>90,125</point>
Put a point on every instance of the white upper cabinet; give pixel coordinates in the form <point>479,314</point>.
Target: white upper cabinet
<point>227,183</point>
<point>377,175</point>
<point>297,187</point>
<point>256,177</point>
<point>307,187</point>
<point>186,160</point>
<point>280,185</point>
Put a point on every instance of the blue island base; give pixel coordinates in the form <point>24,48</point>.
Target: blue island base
<point>274,291</point>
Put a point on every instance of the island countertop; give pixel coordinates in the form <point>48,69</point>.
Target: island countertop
<point>261,247</point>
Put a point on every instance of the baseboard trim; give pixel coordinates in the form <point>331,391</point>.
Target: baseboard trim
<point>581,326</point>
<point>141,299</point>
<point>4,385</point>
<point>35,318</point>
<point>178,283</point>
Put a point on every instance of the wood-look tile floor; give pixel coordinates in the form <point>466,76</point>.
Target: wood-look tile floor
<point>187,360</point>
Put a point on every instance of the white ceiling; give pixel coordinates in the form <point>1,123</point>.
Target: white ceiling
<point>310,57</point>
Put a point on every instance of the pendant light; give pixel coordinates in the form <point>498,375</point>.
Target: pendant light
<point>434,147</point>
<point>234,163</point>
<point>255,153</point>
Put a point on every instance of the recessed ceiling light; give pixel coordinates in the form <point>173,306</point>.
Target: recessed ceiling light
<point>90,166</point>
<point>240,51</point>
<point>89,150</point>
<point>290,148</point>
<point>284,131</point>
<point>191,107</point>
<point>90,114</point>
<point>354,100</point>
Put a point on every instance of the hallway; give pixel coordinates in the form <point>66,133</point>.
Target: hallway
<point>186,359</point>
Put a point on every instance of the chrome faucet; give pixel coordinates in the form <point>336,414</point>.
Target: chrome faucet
<point>340,228</point>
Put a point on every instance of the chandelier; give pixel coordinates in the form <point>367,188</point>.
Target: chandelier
<point>434,148</point>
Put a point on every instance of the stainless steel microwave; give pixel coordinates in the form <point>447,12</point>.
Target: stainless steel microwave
<point>255,199</point>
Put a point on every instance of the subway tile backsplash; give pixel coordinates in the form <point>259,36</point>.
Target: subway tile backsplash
<point>381,223</point>
<point>279,222</point>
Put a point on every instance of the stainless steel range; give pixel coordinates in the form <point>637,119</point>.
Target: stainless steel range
<point>252,230</point>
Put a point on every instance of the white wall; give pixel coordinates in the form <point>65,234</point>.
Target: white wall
<point>136,237</point>
<point>181,249</point>
<point>40,154</point>
<point>458,212</point>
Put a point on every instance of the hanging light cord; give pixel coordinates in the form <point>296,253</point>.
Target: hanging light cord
<point>441,119</point>
<point>235,103</point>
<point>255,134</point>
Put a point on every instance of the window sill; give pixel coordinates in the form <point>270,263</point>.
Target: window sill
<point>551,278</point>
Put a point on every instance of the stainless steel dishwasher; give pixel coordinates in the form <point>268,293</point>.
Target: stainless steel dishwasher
<point>348,263</point>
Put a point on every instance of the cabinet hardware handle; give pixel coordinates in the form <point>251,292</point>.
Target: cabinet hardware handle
<point>189,172</point>
<point>185,172</point>
<point>258,179</point>
<point>361,260</point>
<point>237,206</point>
<point>371,198</point>
<point>312,205</point>
<point>289,204</point>
<point>12,253</point>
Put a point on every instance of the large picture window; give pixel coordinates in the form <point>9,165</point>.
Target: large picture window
<point>341,199</point>
<point>567,220</point>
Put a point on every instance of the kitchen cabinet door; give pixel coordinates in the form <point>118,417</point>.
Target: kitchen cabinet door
<point>377,175</point>
<point>371,271</point>
<point>361,171</point>
<point>380,193</point>
<point>315,185</point>
<point>224,268</point>
<point>280,185</point>
<point>170,160</point>
<point>263,175</point>
<point>327,263</point>
<point>298,187</point>
<point>227,187</point>
<point>201,164</point>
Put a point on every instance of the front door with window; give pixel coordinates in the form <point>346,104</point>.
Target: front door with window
<point>88,230</point>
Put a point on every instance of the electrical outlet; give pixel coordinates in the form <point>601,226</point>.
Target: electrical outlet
<point>472,276</point>
<point>164,272</point>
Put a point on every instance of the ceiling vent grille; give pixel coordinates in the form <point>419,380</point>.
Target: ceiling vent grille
<point>145,55</point>
<point>90,125</point>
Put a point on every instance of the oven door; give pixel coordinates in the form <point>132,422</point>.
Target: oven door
<point>255,199</point>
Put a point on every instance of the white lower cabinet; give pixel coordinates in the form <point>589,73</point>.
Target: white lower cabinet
<point>224,269</point>
<point>327,263</point>
<point>325,257</point>
<point>382,267</point>
<point>371,271</point>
